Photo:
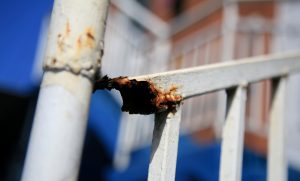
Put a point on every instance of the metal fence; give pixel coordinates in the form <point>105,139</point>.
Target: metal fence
<point>233,77</point>
<point>145,53</point>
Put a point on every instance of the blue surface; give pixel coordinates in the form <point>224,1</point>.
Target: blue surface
<point>20,23</point>
<point>104,119</point>
<point>197,162</point>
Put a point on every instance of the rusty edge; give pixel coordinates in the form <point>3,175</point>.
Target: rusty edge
<point>141,97</point>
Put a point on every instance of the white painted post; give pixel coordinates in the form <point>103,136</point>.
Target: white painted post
<point>276,156</point>
<point>164,146</point>
<point>230,22</point>
<point>233,136</point>
<point>73,57</point>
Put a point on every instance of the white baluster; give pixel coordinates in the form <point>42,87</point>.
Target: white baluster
<point>164,146</point>
<point>233,136</point>
<point>276,157</point>
<point>73,55</point>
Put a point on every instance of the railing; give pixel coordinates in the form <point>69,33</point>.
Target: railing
<point>70,65</point>
<point>205,47</point>
<point>234,77</point>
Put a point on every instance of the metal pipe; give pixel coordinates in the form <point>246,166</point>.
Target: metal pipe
<point>73,57</point>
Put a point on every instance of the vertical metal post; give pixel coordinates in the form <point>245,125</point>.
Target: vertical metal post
<point>233,136</point>
<point>73,57</point>
<point>276,158</point>
<point>164,146</point>
<point>230,22</point>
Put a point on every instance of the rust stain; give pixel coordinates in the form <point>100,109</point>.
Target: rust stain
<point>61,37</point>
<point>141,97</point>
<point>68,29</point>
<point>89,35</point>
<point>53,61</point>
<point>85,40</point>
<point>90,38</point>
<point>78,44</point>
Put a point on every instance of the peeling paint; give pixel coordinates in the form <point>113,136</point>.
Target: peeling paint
<point>71,55</point>
<point>61,38</point>
<point>85,40</point>
<point>75,43</point>
<point>141,97</point>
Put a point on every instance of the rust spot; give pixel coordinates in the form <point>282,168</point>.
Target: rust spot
<point>79,44</point>
<point>90,38</point>
<point>89,35</point>
<point>53,61</point>
<point>68,29</point>
<point>62,36</point>
<point>141,97</point>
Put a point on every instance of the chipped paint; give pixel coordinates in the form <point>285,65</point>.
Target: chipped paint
<point>72,56</point>
<point>141,97</point>
<point>75,43</point>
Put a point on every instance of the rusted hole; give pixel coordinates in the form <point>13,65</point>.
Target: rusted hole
<point>141,97</point>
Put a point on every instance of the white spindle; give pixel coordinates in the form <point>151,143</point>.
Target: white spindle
<point>73,56</point>
<point>276,157</point>
<point>164,146</point>
<point>233,136</point>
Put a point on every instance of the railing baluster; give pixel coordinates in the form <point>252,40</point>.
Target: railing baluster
<point>233,135</point>
<point>276,156</point>
<point>72,60</point>
<point>164,146</point>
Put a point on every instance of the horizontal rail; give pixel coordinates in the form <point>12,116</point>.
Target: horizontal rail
<point>144,17</point>
<point>199,80</point>
<point>196,14</point>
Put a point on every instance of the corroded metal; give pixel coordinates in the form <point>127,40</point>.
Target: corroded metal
<point>75,41</point>
<point>141,97</point>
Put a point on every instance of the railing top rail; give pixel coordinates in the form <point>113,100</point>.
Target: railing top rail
<point>199,80</point>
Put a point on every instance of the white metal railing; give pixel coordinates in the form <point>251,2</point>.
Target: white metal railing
<point>203,47</point>
<point>250,44</point>
<point>234,77</point>
<point>200,48</point>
